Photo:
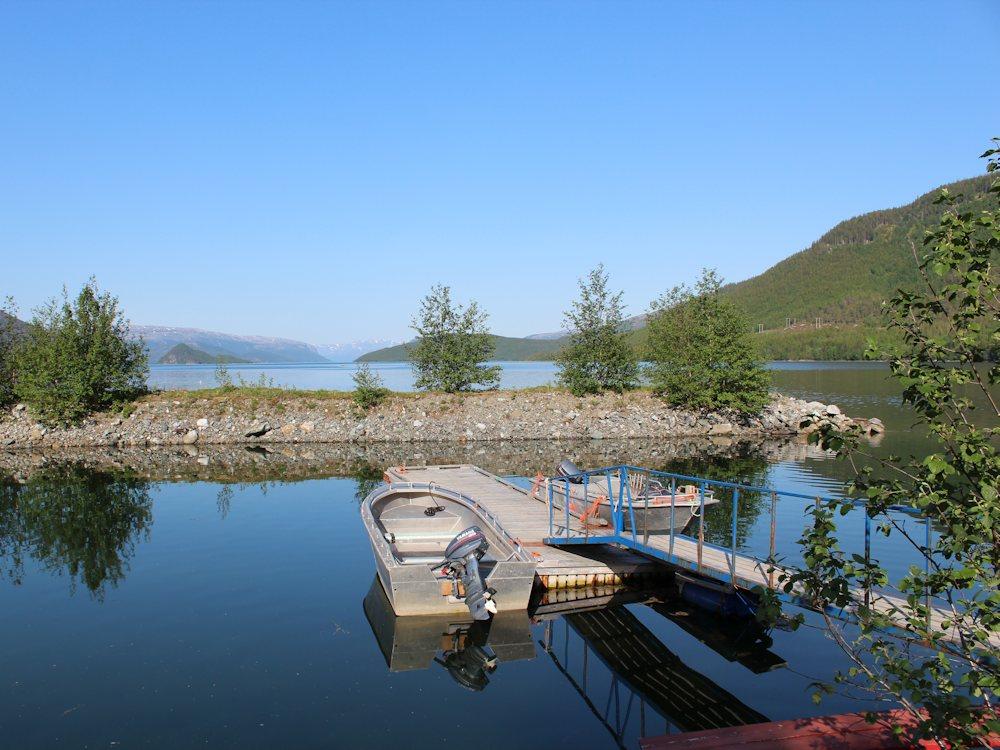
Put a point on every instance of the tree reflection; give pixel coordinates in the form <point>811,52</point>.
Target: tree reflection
<point>74,520</point>
<point>368,476</point>
<point>743,467</point>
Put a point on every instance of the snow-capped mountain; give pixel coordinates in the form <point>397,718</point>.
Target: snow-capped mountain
<point>351,350</point>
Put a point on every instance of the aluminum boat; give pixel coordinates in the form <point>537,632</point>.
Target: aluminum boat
<point>438,551</point>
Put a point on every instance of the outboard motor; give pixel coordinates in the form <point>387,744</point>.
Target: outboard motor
<point>570,470</point>
<point>461,562</point>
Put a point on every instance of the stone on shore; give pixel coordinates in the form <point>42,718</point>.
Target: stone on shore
<point>475,417</point>
<point>258,429</point>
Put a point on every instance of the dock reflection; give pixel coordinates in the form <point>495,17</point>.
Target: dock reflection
<point>624,673</point>
<point>632,682</point>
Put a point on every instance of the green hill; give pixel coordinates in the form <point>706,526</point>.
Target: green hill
<point>845,275</point>
<point>823,302</point>
<point>507,349</point>
<point>182,354</point>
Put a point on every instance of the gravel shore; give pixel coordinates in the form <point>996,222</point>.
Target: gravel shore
<point>224,418</point>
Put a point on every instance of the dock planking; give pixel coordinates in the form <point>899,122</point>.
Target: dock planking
<point>527,519</point>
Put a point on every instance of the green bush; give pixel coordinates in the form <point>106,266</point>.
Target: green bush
<point>369,391</point>
<point>943,671</point>
<point>701,351</point>
<point>452,344</point>
<point>78,357</point>
<point>8,337</point>
<point>597,356</point>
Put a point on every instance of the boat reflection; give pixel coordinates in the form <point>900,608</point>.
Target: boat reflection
<point>470,651</point>
<point>621,669</point>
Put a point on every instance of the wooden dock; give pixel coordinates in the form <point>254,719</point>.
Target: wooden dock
<point>527,519</point>
<point>582,555</point>
<point>747,572</point>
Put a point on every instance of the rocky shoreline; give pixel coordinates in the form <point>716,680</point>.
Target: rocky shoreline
<point>226,418</point>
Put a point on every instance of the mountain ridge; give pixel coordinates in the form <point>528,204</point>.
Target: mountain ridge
<point>508,349</point>
<point>183,354</point>
<point>822,302</point>
<point>160,339</point>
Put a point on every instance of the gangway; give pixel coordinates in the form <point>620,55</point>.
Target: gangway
<point>726,564</point>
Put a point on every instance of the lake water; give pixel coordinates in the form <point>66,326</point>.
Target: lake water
<point>224,598</point>
<point>399,377</point>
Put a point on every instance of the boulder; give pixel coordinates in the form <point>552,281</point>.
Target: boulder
<point>190,437</point>
<point>257,429</point>
<point>202,423</point>
<point>721,429</point>
<point>833,410</point>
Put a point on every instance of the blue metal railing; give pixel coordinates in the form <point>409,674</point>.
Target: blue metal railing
<point>617,481</point>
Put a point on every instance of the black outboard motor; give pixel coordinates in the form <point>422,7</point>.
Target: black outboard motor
<point>570,470</point>
<point>461,562</point>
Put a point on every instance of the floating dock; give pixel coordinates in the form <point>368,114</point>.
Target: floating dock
<point>571,554</point>
<point>527,519</point>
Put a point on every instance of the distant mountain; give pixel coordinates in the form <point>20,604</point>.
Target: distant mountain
<point>161,339</point>
<point>631,324</point>
<point>8,323</point>
<point>351,350</point>
<point>182,354</point>
<point>547,336</point>
<point>507,349</point>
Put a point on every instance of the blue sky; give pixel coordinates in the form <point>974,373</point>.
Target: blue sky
<point>310,169</point>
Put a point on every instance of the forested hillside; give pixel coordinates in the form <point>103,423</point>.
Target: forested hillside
<point>182,354</point>
<point>821,303</point>
<point>507,349</point>
<point>845,275</point>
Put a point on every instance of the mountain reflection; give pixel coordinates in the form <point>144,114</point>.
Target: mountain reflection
<point>73,520</point>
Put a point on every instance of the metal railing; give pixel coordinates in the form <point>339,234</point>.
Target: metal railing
<point>613,488</point>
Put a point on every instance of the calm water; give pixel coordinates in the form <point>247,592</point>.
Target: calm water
<point>192,607</point>
<point>399,377</point>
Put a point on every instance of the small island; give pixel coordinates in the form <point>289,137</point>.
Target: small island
<point>183,354</point>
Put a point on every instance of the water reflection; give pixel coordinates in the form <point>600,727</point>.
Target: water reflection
<point>633,682</point>
<point>470,651</point>
<point>621,670</point>
<point>291,462</point>
<point>74,520</point>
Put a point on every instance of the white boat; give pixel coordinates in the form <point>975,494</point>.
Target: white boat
<point>656,507</point>
<point>440,552</point>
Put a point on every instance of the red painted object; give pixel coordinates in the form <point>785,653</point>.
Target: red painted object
<point>841,732</point>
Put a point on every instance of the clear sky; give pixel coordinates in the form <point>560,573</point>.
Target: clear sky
<point>310,169</point>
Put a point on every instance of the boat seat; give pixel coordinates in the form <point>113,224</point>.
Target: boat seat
<point>411,518</point>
